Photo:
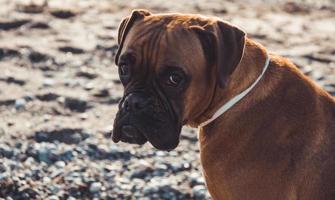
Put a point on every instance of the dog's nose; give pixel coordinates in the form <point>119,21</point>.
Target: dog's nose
<point>135,102</point>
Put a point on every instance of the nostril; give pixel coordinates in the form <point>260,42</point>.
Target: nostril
<point>139,104</point>
<point>135,102</point>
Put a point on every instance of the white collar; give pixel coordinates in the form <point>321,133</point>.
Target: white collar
<point>237,98</point>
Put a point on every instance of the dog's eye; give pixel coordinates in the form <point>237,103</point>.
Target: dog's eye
<point>174,79</point>
<point>124,70</point>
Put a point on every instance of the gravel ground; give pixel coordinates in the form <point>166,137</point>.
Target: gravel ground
<point>59,91</point>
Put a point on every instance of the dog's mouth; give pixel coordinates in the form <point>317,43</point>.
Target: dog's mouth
<point>129,134</point>
<point>159,128</point>
<point>156,122</point>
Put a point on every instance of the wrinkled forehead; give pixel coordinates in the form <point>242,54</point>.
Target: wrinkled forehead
<point>163,41</point>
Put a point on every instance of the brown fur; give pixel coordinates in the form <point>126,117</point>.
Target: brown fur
<point>278,142</point>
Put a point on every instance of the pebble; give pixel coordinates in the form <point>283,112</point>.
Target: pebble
<point>196,179</point>
<point>43,154</point>
<point>317,75</point>
<point>48,82</point>
<point>95,187</point>
<point>75,104</point>
<point>20,104</point>
<point>54,189</point>
<point>199,192</point>
<point>4,176</point>
<point>53,197</point>
<point>6,151</point>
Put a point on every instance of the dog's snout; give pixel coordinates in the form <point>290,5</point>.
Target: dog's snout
<point>135,102</point>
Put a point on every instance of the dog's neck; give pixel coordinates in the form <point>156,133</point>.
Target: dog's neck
<point>245,75</point>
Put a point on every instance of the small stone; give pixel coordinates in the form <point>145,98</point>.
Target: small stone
<point>54,189</point>
<point>62,14</point>
<point>199,192</point>
<point>6,151</point>
<point>196,179</point>
<point>60,164</point>
<point>95,187</point>
<point>317,75</point>
<point>20,104</point>
<point>36,57</point>
<point>77,105</point>
<point>2,132</point>
<point>102,93</point>
<point>53,197</point>
<point>43,155</point>
<point>307,70</point>
<point>13,24</point>
<point>86,73</point>
<point>73,50</point>
<point>160,153</point>
<point>4,176</point>
<point>48,82</point>
<point>46,180</point>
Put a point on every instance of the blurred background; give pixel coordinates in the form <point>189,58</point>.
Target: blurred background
<point>59,90</point>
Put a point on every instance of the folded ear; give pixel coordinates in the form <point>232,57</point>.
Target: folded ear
<point>223,46</point>
<point>125,26</point>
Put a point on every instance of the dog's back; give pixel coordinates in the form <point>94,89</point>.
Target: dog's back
<point>279,143</point>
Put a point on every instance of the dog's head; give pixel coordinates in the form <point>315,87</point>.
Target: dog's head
<point>169,65</point>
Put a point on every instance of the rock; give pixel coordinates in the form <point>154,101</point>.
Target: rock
<point>86,73</point>
<point>53,188</point>
<point>89,86</point>
<point>36,57</point>
<point>13,80</point>
<point>8,53</point>
<point>199,192</point>
<point>95,187</point>
<point>2,132</point>
<point>101,93</point>
<point>178,167</point>
<point>307,70</point>
<point>68,155</point>
<point>48,82</point>
<point>117,81</point>
<point>149,190</point>
<point>196,179</point>
<point>62,14</point>
<point>44,154</point>
<point>47,96</point>
<point>13,24</point>
<point>29,193</point>
<point>53,197</point>
<point>32,7</point>
<point>39,25</point>
<point>160,153</point>
<point>20,104</point>
<point>317,75</point>
<point>142,170</point>
<point>69,49</point>
<point>294,7</point>
<point>66,135</point>
<point>75,104</point>
<point>4,176</point>
<point>60,164</point>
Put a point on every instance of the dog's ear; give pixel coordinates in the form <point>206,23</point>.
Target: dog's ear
<point>223,44</point>
<point>125,26</point>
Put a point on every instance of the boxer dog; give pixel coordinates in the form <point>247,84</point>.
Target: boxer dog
<point>266,130</point>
